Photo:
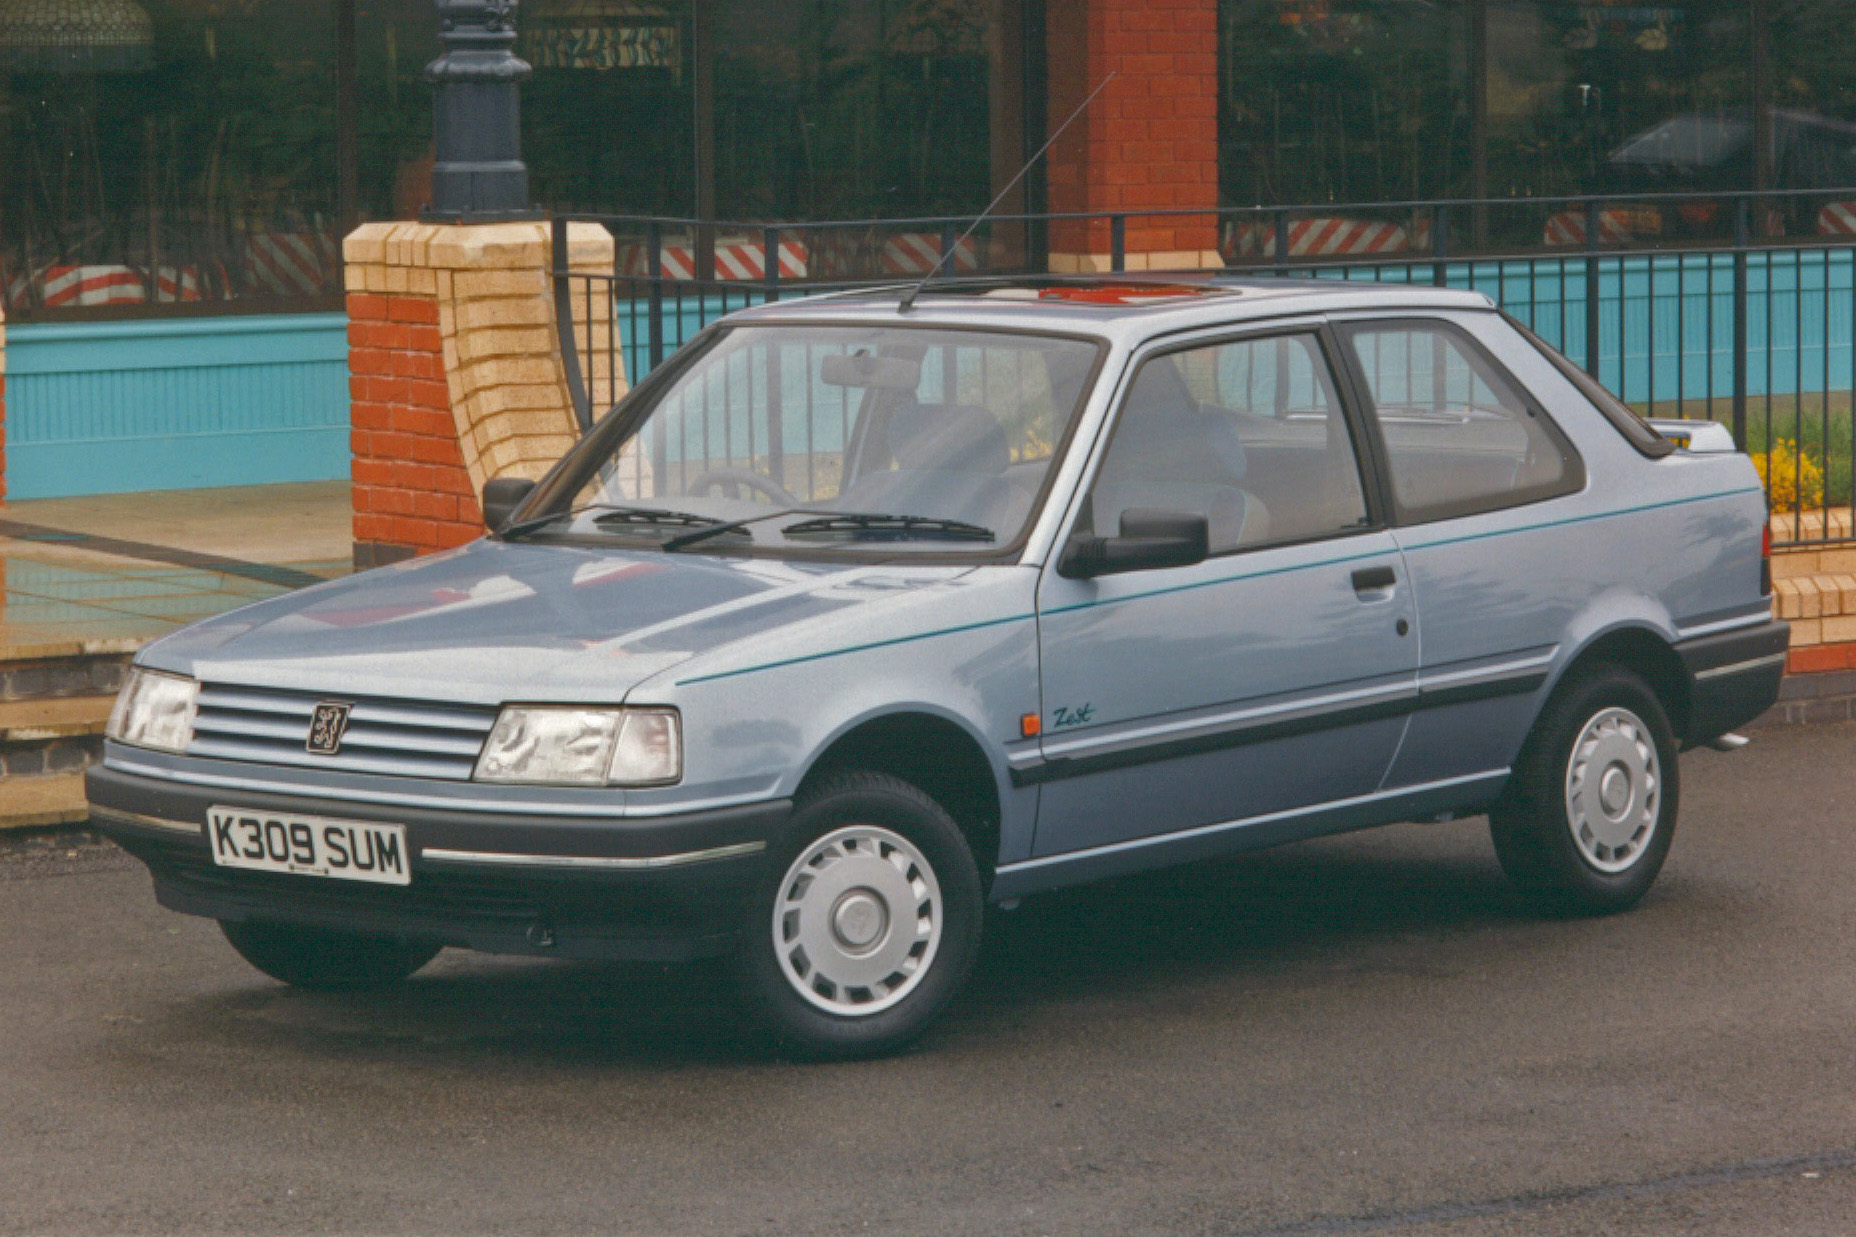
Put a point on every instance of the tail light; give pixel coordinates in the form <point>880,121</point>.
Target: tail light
<point>1765,560</point>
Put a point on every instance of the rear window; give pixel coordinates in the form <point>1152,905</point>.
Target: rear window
<point>1638,432</point>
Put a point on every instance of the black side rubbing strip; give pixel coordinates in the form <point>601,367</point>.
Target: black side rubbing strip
<point>1245,733</point>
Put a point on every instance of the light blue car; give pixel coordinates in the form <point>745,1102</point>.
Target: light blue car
<point>857,616</point>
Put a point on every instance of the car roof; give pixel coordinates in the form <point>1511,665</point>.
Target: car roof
<point>1120,305</point>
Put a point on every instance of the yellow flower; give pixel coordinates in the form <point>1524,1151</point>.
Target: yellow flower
<point>1793,480</point>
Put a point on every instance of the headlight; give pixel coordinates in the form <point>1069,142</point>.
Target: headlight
<point>552,745</point>
<point>155,710</point>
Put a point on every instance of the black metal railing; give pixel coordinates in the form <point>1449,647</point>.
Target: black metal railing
<point>1739,308</point>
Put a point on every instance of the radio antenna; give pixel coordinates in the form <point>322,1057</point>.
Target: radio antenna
<point>908,300</point>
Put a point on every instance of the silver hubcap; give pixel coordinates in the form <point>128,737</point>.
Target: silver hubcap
<point>1614,787</point>
<point>857,921</point>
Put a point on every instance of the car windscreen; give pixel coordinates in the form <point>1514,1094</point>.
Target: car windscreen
<point>801,438</point>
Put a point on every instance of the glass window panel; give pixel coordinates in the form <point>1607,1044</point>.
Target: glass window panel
<point>1620,98</point>
<point>1342,100</point>
<point>951,425</point>
<point>395,40</point>
<point>1813,96</point>
<point>1248,434</point>
<point>861,109</point>
<point>1459,438</point>
<point>209,177</point>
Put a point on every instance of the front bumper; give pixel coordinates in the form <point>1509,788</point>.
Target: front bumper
<point>660,888</point>
<point>1733,678</point>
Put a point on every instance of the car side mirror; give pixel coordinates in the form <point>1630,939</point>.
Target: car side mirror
<point>1148,540</point>
<point>501,497</point>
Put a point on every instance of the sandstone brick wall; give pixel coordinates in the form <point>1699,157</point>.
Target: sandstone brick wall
<point>1815,591</point>
<point>1148,142</point>
<point>455,372</point>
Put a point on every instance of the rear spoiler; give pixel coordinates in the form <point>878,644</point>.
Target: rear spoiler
<point>1697,437</point>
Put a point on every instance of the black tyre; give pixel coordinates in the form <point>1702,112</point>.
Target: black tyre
<point>1587,819</point>
<point>866,922</point>
<point>325,959</point>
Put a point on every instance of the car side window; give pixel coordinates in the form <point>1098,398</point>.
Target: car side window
<point>1248,433</point>
<point>1459,436</point>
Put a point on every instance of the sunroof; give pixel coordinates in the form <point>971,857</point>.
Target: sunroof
<point>1120,294</point>
<point>1117,292</point>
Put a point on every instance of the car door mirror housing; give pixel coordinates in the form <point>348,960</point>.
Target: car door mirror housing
<point>1148,540</point>
<point>501,497</point>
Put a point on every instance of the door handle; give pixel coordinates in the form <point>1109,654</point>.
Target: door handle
<point>1372,579</point>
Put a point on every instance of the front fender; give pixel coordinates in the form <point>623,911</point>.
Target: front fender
<point>754,733</point>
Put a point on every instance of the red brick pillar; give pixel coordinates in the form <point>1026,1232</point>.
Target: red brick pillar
<point>412,494</point>
<point>1149,142</point>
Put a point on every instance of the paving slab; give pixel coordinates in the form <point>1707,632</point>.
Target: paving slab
<point>62,717</point>
<point>42,802</point>
<point>130,568</point>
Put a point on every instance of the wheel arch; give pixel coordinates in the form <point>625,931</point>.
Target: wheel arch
<point>934,752</point>
<point>1643,650</point>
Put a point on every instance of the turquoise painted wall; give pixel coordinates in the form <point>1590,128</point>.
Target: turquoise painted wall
<point>123,407</point>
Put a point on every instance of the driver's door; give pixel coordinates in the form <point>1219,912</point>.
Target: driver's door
<point>1270,677</point>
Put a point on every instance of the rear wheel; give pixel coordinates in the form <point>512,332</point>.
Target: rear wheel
<point>866,923</point>
<point>326,959</point>
<point>1588,818</point>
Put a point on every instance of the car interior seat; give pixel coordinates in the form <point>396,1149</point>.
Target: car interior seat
<point>950,463</point>
<point>1170,454</point>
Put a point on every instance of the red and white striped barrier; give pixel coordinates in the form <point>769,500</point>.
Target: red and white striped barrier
<point>69,287</point>
<point>919,253</point>
<point>101,285</point>
<point>1837,219</point>
<point>292,263</point>
<point>1616,226</point>
<point>1323,236</point>
<point>735,261</point>
<point>180,284</point>
<point>747,260</point>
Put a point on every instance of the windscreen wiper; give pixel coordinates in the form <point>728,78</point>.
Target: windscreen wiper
<point>654,518</point>
<point>892,527</point>
<point>717,529</point>
<point>616,514</point>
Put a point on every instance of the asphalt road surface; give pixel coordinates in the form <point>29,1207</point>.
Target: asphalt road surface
<point>1360,1035</point>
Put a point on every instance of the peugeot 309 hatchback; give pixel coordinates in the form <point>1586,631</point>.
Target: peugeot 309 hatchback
<point>857,616</point>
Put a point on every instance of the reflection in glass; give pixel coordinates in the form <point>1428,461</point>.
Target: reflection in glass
<point>934,425</point>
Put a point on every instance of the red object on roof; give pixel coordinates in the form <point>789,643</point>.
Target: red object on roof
<point>1122,294</point>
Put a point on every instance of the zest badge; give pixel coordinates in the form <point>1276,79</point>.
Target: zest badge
<point>327,727</point>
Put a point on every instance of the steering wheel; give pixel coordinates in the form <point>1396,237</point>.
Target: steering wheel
<point>735,482</point>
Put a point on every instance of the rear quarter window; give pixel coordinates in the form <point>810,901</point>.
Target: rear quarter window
<point>1635,430</point>
<point>1461,434</point>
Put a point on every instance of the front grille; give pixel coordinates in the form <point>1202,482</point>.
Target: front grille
<point>404,738</point>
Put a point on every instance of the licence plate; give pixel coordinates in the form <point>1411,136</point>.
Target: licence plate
<point>355,850</point>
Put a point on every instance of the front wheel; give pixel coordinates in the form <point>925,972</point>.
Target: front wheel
<point>322,958</point>
<point>866,923</point>
<point>1587,820</point>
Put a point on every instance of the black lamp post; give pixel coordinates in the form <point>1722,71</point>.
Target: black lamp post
<point>479,176</point>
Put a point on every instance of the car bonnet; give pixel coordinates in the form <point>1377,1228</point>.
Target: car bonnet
<point>497,622</point>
